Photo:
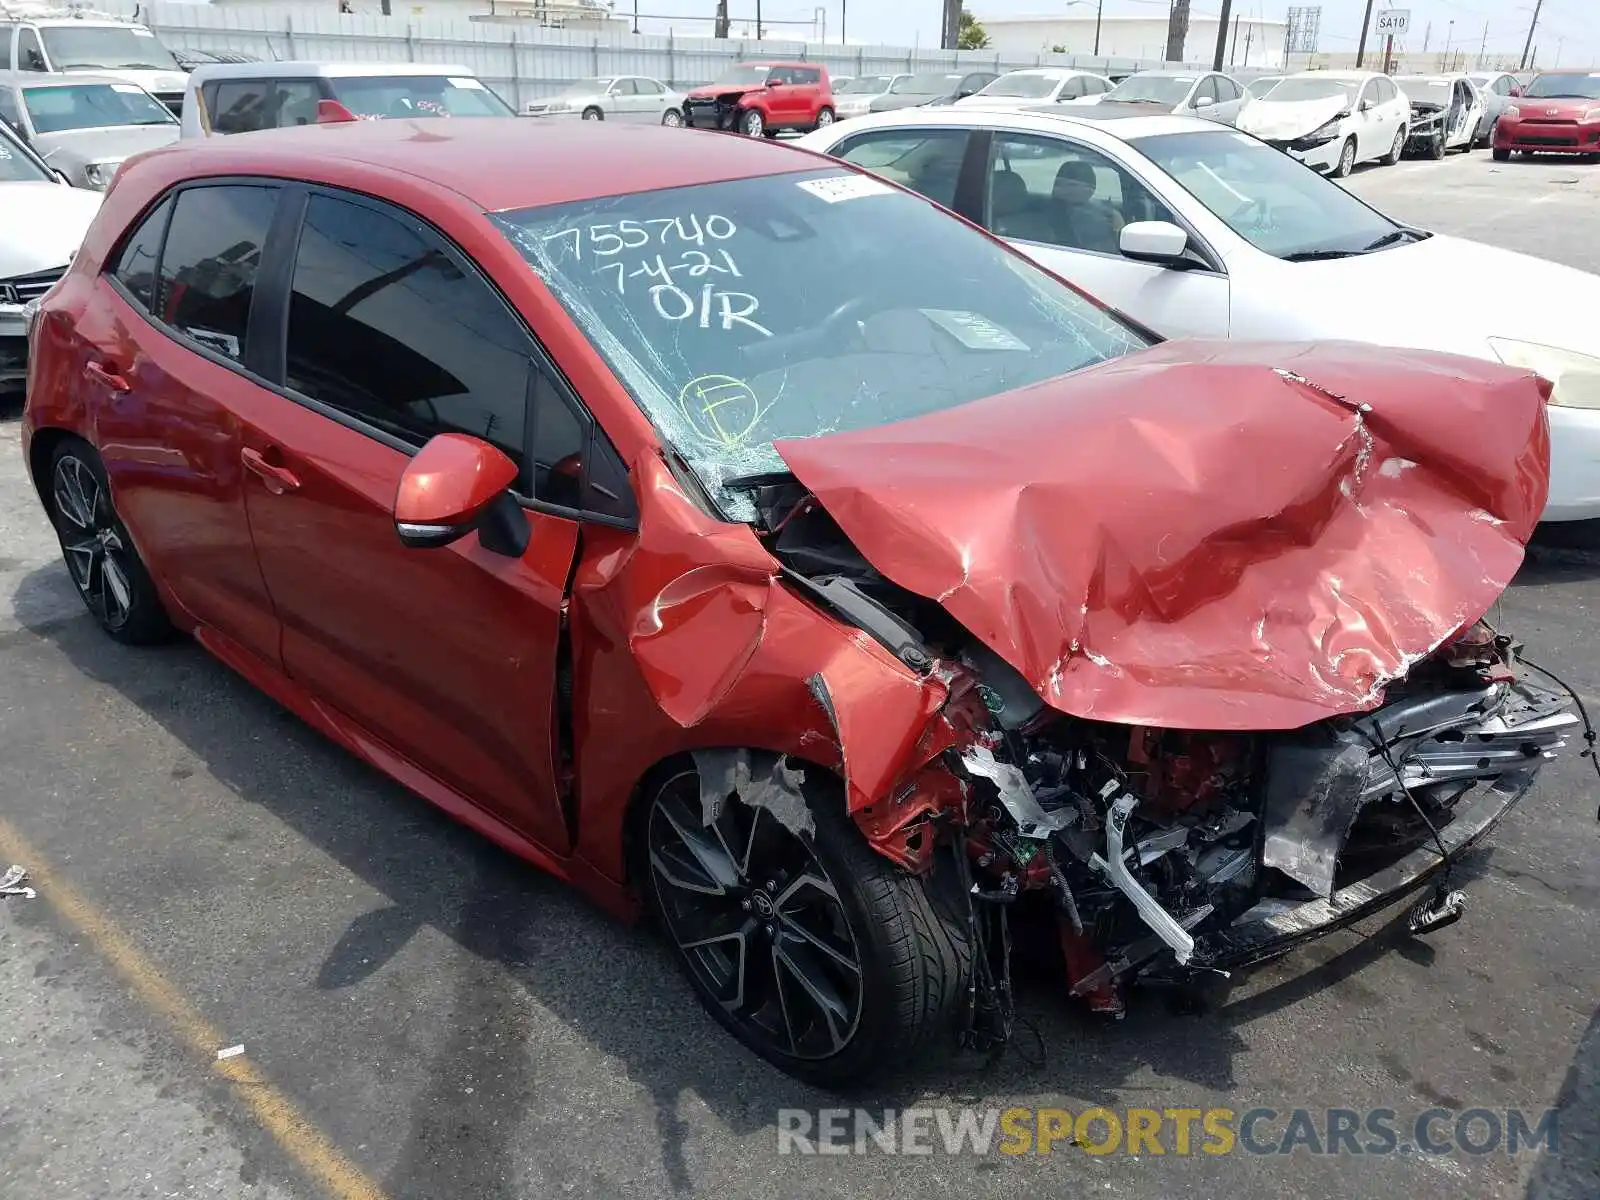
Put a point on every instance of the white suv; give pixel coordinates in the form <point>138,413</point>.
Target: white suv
<point>105,46</point>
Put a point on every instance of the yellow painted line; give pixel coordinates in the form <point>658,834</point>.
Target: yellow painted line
<point>273,1111</point>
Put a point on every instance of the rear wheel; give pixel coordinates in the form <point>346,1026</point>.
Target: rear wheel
<point>672,117</point>
<point>752,123</point>
<point>809,947</point>
<point>593,114</point>
<point>825,118</point>
<point>106,569</point>
<point>1396,150</point>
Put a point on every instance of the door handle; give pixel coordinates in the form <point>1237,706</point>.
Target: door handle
<point>277,479</point>
<point>106,375</point>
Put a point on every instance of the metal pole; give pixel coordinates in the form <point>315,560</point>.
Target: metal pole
<point>1361,46</point>
<point>1233,50</point>
<point>1099,11</point>
<point>843,4</point>
<point>1537,5</point>
<point>1483,45</point>
<point>758,20</point>
<point>1449,32</point>
<point>1222,35</point>
<point>636,17</point>
<point>1388,53</point>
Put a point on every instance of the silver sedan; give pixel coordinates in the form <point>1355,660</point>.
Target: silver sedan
<point>613,98</point>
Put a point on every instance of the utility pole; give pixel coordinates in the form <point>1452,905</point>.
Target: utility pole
<point>1366,24</point>
<point>1427,35</point>
<point>758,20</point>
<point>1388,53</point>
<point>1483,45</point>
<point>1177,30</point>
<point>951,35</point>
<point>1449,35</point>
<point>1099,11</point>
<point>842,5</point>
<point>1222,35</point>
<point>720,29</point>
<point>1532,25</point>
<point>1233,50</point>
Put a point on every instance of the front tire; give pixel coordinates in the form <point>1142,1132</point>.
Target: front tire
<point>105,567</point>
<point>593,114</point>
<point>809,947</point>
<point>1500,155</point>
<point>1347,159</point>
<point>1436,147</point>
<point>752,123</point>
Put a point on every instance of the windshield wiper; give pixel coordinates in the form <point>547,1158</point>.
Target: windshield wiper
<point>1388,239</point>
<point>1320,255</point>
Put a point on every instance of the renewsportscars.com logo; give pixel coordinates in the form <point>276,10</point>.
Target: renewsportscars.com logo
<point>1177,1131</point>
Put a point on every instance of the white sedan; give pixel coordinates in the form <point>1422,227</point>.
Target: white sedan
<point>1332,120</point>
<point>1037,85</point>
<point>1196,229</point>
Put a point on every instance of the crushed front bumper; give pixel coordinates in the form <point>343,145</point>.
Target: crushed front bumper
<point>1321,153</point>
<point>710,114</point>
<point>1273,928</point>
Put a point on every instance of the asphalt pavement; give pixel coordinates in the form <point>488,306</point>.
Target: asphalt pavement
<point>422,1016</point>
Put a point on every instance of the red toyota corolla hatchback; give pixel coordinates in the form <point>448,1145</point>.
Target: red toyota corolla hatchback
<point>723,529</point>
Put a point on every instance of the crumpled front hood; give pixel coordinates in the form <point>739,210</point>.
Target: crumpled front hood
<point>712,90</point>
<point>1207,535</point>
<point>1295,118</point>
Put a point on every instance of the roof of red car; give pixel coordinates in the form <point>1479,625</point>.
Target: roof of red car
<point>502,163</point>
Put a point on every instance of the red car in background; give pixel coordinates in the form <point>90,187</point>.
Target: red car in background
<point>1558,113</point>
<point>762,99</point>
<point>738,535</point>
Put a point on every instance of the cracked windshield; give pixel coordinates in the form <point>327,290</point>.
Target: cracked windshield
<point>797,305</point>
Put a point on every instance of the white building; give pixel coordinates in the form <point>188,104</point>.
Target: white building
<point>552,14</point>
<point>1252,41</point>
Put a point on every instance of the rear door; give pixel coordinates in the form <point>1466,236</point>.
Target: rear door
<point>808,89</point>
<point>390,335</point>
<point>1230,99</point>
<point>1064,204</point>
<point>170,360</point>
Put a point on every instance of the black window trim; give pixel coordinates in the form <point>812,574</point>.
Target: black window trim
<point>274,283</point>
<point>972,195</point>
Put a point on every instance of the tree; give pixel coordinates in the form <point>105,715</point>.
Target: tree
<point>971,34</point>
<point>1058,49</point>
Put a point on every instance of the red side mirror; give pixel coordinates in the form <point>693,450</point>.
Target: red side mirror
<point>331,112</point>
<point>449,486</point>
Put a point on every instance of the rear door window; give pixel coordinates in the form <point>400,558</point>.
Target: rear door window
<point>240,105</point>
<point>209,263</point>
<point>926,161</point>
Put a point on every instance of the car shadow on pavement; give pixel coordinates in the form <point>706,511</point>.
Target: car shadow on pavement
<point>1574,1172</point>
<point>528,937</point>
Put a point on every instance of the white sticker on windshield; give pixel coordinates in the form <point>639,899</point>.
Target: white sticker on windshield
<point>127,89</point>
<point>845,187</point>
<point>475,85</point>
<point>972,330</point>
<point>137,32</point>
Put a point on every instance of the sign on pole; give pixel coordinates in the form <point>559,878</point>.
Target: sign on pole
<point>1393,22</point>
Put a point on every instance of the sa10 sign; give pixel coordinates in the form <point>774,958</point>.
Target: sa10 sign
<point>1393,22</point>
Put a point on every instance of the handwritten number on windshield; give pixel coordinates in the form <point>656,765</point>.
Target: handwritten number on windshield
<point>612,239</point>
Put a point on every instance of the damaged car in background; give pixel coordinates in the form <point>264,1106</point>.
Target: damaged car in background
<point>850,589</point>
<point>1446,111</point>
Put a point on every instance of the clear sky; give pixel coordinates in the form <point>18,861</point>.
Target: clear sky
<point>1563,28</point>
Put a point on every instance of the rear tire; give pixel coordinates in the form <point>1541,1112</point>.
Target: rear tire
<point>824,118</point>
<point>1396,150</point>
<point>105,567</point>
<point>672,118</point>
<point>593,114</point>
<point>771,986</point>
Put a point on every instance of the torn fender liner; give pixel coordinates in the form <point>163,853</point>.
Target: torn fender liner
<point>773,785</point>
<point>1207,535</point>
<point>879,715</point>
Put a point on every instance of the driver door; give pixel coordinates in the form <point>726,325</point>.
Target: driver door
<point>446,658</point>
<point>1077,239</point>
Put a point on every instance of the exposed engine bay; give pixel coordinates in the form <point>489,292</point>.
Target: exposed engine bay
<point>1163,853</point>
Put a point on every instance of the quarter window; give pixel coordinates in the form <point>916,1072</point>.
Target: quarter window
<point>209,264</point>
<point>928,162</point>
<point>241,106</point>
<point>30,55</point>
<point>136,265</point>
<point>386,326</point>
